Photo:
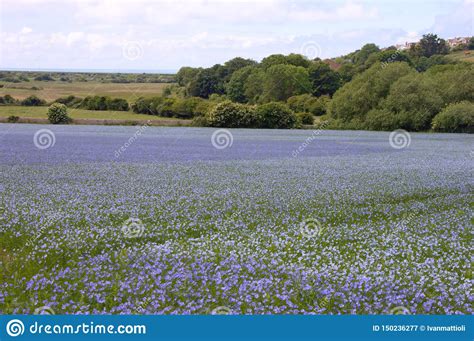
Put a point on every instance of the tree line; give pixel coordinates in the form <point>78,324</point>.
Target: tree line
<point>376,89</point>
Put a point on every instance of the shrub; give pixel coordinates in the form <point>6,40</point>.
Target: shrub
<point>7,99</point>
<point>455,118</point>
<point>381,119</point>
<point>142,106</point>
<point>118,104</point>
<point>275,115</point>
<point>94,103</point>
<point>45,78</point>
<point>305,117</point>
<point>233,115</point>
<point>32,101</point>
<point>164,107</point>
<point>13,119</point>
<point>69,101</point>
<point>189,107</point>
<point>103,103</point>
<point>57,114</point>
<point>200,121</point>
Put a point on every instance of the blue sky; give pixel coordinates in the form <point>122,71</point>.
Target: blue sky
<point>165,35</point>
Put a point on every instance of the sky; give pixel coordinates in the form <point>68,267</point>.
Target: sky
<point>165,35</point>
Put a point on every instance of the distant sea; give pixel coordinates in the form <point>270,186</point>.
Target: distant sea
<point>92,70</point>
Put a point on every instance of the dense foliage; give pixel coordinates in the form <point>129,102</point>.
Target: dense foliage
<point>32,101</point>
<point>371,88</point>
<point>57,114</point>
<point>456,118</point>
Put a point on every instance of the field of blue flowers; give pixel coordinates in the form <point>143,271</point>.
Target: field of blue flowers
<point>130,220</point>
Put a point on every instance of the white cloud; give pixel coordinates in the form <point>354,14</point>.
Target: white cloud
<point>26,30</point>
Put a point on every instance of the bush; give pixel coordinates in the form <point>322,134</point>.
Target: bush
<point>305,117</point>
<point>57,114</point>
<point>104,103</point>
<point>142,106</point>
<point>118,104</point>
<point>275,115</point>
<point>233,115</point>
<point>381,119</point>
<point>200,121</point>
<point>7,99</point>
<point>94,103</point>
<point>69,101</point>
<point>455,118</point>
<point>13,119</point>
<point>32,101</point>
<point>188,107</point>
<point>45,78</point>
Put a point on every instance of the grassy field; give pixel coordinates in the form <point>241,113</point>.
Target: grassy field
<point>40,112</point>
<point>460,55</point>
<point>55,89</point>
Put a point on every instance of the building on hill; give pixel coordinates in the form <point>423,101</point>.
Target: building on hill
<point>332,64</point>
<point>405,46</point>
<point>453,42</point>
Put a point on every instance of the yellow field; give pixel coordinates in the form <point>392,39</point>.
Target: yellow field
<point>50,91</point>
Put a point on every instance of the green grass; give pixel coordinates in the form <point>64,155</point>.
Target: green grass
<point>50,91</point>
<point>461,56</point>
<point>40,112</point>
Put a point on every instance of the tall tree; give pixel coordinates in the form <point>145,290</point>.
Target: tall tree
<point>324,81</point>
<point>429,45</point>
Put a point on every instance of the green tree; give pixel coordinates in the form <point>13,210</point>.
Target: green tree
<point>186,75</point>
<point>206,82</point>
<point>236,64</point>
<point>414,99</point>
<point>283,81</point>
<point>297,60</point>
<point>274,59</point>
<point>364,92</point>
<point>389,56</point>
<point>235,88</point>
<point>361,56</point>
<point>430,44</point>
<point>453,82</point>
<point>324,81</point>
<point>254,85</point>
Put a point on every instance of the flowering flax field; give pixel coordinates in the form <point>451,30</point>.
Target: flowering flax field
<point>148,220</point>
